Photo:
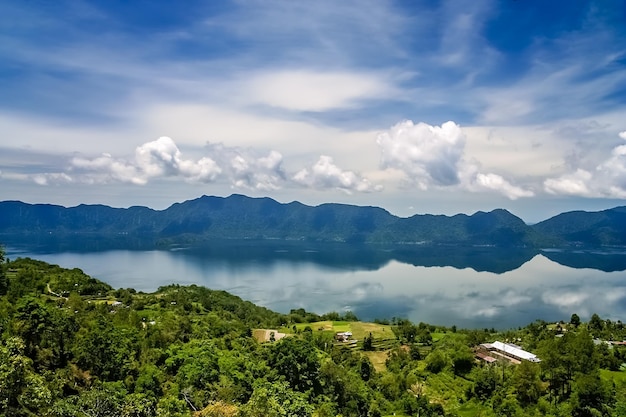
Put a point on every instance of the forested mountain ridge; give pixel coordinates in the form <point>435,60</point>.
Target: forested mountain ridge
<point>607,227</point>
<point>73,346</point>
<point>241,217</point>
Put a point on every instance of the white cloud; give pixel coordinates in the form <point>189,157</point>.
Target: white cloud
<point>497,183</point>
<point>570,184</point>
<point>244,168</point>
<point>325,174</point>
<point>106,169</point>
<point>607,180</point>
<point>156,159</point>
<point>428,155</point>
<point>307,90</point>
<point>163,159</point>
<point>51,178</point>
<point>622,135</point>
<point>434,156</point>
<point>565,299</point>
<point>247,170</point>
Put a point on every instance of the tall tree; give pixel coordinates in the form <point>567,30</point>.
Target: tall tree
<point>527,383</point>
<point>298,361</point>
<point>4,285</point>
<point>591,397</point>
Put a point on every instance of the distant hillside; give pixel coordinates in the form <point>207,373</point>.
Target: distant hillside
<point>602,228</point>
<point>240,217</point>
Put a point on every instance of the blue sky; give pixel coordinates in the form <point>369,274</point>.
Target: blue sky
<point>414,106</point>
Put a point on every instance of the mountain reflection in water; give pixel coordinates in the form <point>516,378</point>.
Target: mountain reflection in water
<point>470,287</point>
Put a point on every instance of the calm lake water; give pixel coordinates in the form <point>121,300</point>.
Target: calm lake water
<point>474,288</point>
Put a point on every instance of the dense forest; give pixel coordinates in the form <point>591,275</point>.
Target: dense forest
<point>74,346</point>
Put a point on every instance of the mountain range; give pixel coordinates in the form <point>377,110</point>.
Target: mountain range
<point>211,218</point>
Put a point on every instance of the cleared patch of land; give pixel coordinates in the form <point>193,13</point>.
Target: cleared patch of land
<point>378,359</point>
<point>265,335</point>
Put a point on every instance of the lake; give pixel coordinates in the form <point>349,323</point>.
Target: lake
<point>472,288</point>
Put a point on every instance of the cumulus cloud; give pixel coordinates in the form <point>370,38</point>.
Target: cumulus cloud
<point>247,169</point>
<point>156,159</point>
<point>162,158</point>
<point>428,155</point>
<point>325,174</point>
<point>434,156</point>
<point>105,168</point>
<point>607,180</point>
<point>243,168</point>
<point>496,183</point>
<point>571,184</point>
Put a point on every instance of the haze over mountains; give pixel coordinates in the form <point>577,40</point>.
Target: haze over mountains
<point>240,217</point>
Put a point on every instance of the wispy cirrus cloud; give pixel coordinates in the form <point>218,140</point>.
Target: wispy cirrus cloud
<point>315,91</point>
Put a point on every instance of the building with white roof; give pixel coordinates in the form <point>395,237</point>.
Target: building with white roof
<point>509,351</point>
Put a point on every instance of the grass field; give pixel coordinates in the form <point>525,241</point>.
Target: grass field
<point>359,329</point>
<point>378,359</point>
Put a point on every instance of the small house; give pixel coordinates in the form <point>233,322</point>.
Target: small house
<point>343,337</point>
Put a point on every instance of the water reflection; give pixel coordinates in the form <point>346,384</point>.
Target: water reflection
<point>240,253</point>
<point>476,287</point>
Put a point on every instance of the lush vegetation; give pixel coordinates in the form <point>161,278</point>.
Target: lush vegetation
<point>73,346</point>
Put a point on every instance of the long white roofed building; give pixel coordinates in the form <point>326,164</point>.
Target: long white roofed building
<point>508,351</point>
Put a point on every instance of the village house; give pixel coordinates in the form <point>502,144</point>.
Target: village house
<point>343,337</point>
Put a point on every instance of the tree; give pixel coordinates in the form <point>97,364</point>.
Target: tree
<point>276,400</point>
<point>485,382</point>
<point>462,360</point>
<point>4,284</point>
<point>595,324</point>
<point>368,342</point>
<point>405,330</point>
<point>298,361</point>
<point>20,387</point>
<point>436,361</point>
<point>527,383</point>
<point>366,368</point>
<point>105,350</point>
<point>591,397</point>
<point>574,320</point>
<point>414,352</point>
